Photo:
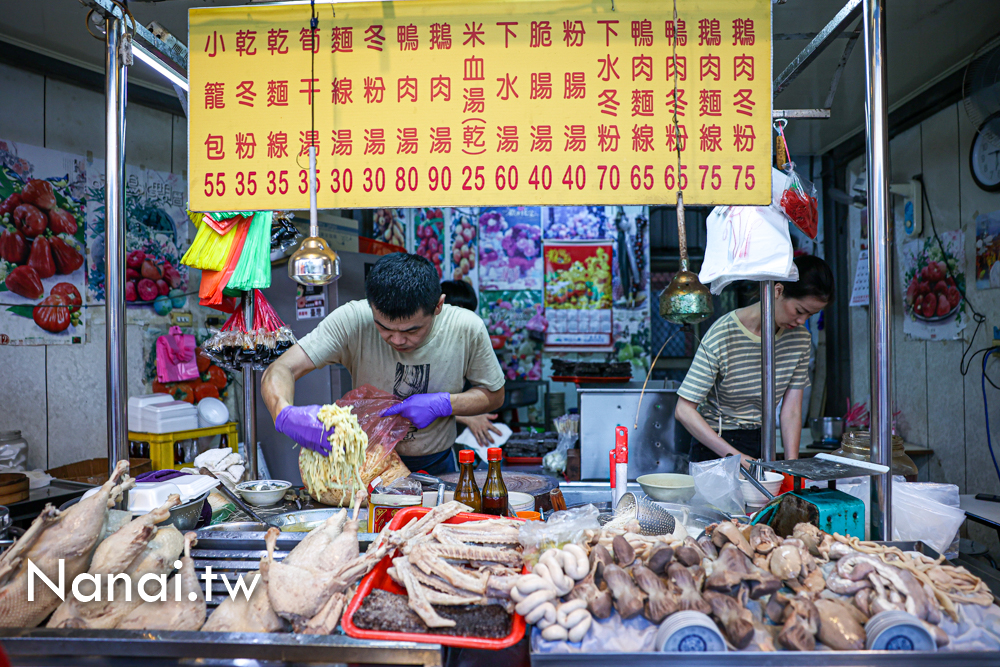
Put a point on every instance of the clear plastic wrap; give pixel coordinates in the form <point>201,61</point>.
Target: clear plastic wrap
<point>566,527</point>
<point>799,203</point>
<point>384,433</point>
<point>717,484</point>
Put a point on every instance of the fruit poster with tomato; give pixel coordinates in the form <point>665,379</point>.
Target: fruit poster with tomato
<point>42,274</point>
<point>578,294</point>
<point>156,236</point>
<point>510,248</point>
<point>429,236</point>
<point>934,279</point>
<point>507,314</point>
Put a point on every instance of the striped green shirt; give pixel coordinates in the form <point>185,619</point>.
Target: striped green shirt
<point>728,359</point>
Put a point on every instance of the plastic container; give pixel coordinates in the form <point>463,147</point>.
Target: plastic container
<point>520,502</point>
<point>169,417</point>
<point>754,498</point>
<point>146,496</point>
<point>379,578</point>
<point>689,632</point>
<point>857,445</point>
<point>192,486</point>
<point>383,506</point>
<point>530,515</point>
<point>430,498</point>
<point>212,412</point>
<point>13,450</point>
<point>897,631</point>
<point>136,405</point>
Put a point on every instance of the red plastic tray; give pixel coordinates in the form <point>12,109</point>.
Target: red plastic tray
<point>379,578</point>
<point>590,380</point>
<point>523,460</point>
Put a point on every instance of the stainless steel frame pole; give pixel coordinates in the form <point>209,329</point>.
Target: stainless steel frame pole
<point>250,397</point>
<point>768,408</point>
<point>879,238</point>
<point>116,73</point>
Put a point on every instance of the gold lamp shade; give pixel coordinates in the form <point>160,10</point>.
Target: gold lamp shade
<point>685,300</point>
<point>314,263</point>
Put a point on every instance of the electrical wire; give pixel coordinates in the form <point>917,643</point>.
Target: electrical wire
<point>986,410</point>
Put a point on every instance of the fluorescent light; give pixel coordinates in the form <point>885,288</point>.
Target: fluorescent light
<point>145,56</point>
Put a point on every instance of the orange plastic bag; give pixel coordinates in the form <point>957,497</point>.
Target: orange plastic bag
<point>213,282</point>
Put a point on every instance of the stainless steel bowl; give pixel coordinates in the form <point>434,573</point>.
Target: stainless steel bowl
<point>306,520</point>
<point>826,429</point>
<point>186,515</point>
<point>236,527</point>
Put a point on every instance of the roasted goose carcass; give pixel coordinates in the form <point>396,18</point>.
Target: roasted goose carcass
<point>187,613</point>
<point>112,556</point>
<point>69,537</point>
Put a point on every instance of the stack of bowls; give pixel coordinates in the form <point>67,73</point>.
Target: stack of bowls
<point>689,632</point>
<point>897,631</point>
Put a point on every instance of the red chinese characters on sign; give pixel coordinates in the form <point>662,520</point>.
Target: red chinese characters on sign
<point>609,31</point>
<point>277,145</point>
<point>541,86</point>
<point>642,33</point>
<point>508,32</point>
<point>374,90</point>
<point>276,39</point>
<point>642,67</point>
<point>310,89</point>
<point>440,36</point>
<point>642,138</point>
<point>682,68</point>
<point>375,141</point>
<point>743,66</point>
<point>678,105</point>
<point>710,67</point>
<point>215,95</point>
<point>342,143</point>
<point>711,138</point>
<point>710,103</point>
<point>541,138</point>
<point>676,138</point>
<point>308,139</point>
<point>576,138</point>
<point>374,39</point>
<point>441,87</point>
<point>541,34</point>
<point>743,32</point>
<point>342,89</point>
<point>244,42</point>
<point>573,33</point>
<point>407,37</point>
<point>608,68</point>
<point>607,103</point>
<point>215,44</point>
<point>309,39</point>
<point>676,35</point>
<point>507,134</point>
<point>642,103</point>
<point>342,40</point>
<point>245,145</point>
<point>475,100</point>
<point>473,136</point>
<point>277,93</point>
<point>607,138</point>
<point>473,34</point>
<point>407,138</point>
<point>473,69</point>
<point>575,87</point>
<point>507,87</point>
<point>744,105</point>
<point>743,136</point>
<point>245,94</point>
<point>441,140</point>
<point>406,88</point>
<point>709,32</point>
<point>213,147</point>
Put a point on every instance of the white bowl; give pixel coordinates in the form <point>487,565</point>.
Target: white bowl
<point>520,502</point>
<point>667,487</point>
<point>753,497</point>
<point>256,494</point>
<point>212,412</point>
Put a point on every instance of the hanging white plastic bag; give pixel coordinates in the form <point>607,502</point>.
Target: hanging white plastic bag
<point>915,517</point>
<point>717,483</point>
<point>749,242</point>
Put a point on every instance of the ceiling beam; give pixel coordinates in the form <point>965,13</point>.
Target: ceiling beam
<point>823,39</point>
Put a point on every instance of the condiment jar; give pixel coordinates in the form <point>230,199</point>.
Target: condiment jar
<point>857,445</point>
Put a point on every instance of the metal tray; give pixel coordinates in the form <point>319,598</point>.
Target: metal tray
<point>56,493</point>
<point>306,520</point>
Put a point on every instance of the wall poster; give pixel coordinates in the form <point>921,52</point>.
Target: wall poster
<point>578,294</point>
<point>935,281</point>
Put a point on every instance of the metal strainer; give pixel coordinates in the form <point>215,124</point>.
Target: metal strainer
<point>653,519</point>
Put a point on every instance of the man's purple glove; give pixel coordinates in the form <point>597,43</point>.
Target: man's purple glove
<point>300,423</point>
<point>422,409</point>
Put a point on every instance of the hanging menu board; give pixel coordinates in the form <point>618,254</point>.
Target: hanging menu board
<point>444,103</point>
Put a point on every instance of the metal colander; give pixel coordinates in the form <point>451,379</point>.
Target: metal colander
<point>653,519</point>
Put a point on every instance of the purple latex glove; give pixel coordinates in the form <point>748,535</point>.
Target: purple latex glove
<point>422,409</point>
<point>300,423</point>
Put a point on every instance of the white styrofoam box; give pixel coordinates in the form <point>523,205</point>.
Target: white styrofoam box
<point>169,424</point>
<point>192,486</point>
<point>145,497</point>
<point>137,403</point>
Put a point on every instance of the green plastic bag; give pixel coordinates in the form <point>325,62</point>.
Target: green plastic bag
<point>254,268</point>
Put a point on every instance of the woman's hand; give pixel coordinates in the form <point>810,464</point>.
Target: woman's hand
<point>481,426</point>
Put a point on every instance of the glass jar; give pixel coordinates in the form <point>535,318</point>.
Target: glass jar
<point>857,445</point>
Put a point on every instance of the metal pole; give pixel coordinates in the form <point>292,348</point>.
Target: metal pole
<point>879,238</point>
<point>249,396</point>
<point>114,256</point>
<point>768,408</point>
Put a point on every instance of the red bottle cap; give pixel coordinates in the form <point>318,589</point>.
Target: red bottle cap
<point>466,456</point>
<point>494,454</point>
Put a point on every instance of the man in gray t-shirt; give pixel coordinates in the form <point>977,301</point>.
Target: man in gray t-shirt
<point>402,340</point>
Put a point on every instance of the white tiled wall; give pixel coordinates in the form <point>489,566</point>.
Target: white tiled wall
<point>56,395</point>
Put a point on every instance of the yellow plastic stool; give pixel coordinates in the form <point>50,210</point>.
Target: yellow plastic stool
<point>161,445</point>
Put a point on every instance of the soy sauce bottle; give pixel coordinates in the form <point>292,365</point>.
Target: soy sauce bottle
<point>494,490</point>
<point>467,491</point>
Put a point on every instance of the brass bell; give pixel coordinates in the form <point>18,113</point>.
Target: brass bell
<point>685,300</point>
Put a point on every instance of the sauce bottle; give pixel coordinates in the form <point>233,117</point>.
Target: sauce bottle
<point>494,490</point>
<point>467,491</point>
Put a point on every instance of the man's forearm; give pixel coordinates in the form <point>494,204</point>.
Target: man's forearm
<point>476,401</point>
<point>277,387</point>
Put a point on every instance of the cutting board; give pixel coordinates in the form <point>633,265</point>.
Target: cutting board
<point>14,487</point>
<point>534,485</point>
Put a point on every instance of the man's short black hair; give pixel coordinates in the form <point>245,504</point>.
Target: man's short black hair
<point>401,284</point>
<point>460,293</point>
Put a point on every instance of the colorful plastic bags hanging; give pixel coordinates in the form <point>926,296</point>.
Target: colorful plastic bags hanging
<point>254,268</point>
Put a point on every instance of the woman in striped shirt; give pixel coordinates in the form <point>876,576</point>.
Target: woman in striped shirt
<point>719,402</point>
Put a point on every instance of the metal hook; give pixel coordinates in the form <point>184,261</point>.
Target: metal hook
<point>779,125</point>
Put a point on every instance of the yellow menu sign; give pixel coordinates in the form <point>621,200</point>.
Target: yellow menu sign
<point>444,103</point>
